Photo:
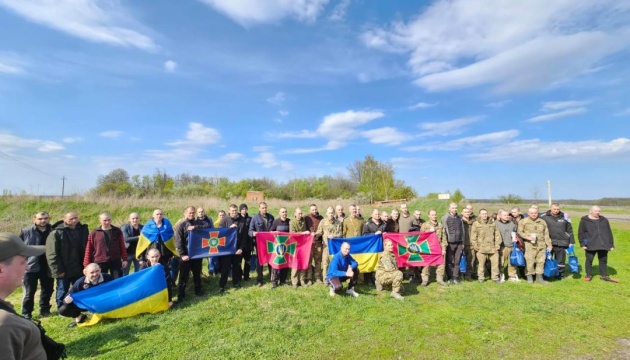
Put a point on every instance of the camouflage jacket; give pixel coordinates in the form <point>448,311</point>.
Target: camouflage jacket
<point>387,262</point>
<point>527,226</point>
<point>485,236</point>
<point>439,231</point>
<point>328,229</point>
<point>298,226</point>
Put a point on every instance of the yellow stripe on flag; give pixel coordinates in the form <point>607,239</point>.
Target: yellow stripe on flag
<point>155,303</point>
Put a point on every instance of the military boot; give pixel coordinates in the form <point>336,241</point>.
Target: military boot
<point>540,280</point>
<point>530,279</point>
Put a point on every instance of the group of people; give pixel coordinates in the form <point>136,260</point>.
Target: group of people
<point>75,255</point>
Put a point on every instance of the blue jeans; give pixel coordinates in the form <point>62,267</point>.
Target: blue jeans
<point>174,265</point>
<point>63,284</point>
<point>131,259</point>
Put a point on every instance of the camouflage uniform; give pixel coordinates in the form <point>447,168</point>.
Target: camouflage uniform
<point>439,230</point>
<point>468,249</point>
<point>387,272</point>
<point>534,251</point>
<point>327,229</point>
<point>298,276</point>
<point>486,240</point>
<point>352,227</point>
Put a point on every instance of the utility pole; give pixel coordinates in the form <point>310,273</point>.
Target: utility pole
<point>63,185</point>
<point>549,192</point>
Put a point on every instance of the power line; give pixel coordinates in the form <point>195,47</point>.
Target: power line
<point>25,164</point>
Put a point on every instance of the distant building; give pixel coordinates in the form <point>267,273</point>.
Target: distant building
<point>255,196</point>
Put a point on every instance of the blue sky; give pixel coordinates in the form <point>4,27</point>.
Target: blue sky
<point>490,99</point>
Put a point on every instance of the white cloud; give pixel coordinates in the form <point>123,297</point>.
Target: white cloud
<point>477,141</point>
<point>498,104</point>
<point>170,66</point>
<point>625,112</point>
<point>247,12</point>
<point>70,140</point>
<point>338,128</point>
<point>386,136</point>
<point>338,13</point>
<point>576,150</point>
<point>421,105</point>
<point>262,148</point>
<point>277,120</point>
<point>269,161</point>
<point>198,134</point>
<point>561,105</point>
<point>10,69</point>
<point>511,47</point>
<point>557,115</point>
<point>93,20</point>
<point>10,143</point>
<point>111,134</point>
<point>446,128</point>
<point>277,99</point>
<point>304,134</point>
<point>283,112</point>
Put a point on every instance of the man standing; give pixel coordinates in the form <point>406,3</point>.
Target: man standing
<point>507,230</point>
<point>352,226</point>
<point>343,267</point>
<point>339,214</point>
<point>433,225</point>
<point>246,240</point>
<point>405,222</point>
<point>533,230</point>
<point>374,225</point>
<point>486,241</point>
<point>281,224</point>
<point>561,234</point>
<point>455,236</point>
<point>38,268</point>
<point>260,223</point>
<point>233,262</point>
<point>312,223</point>
<point>131,232</point>
<point>387,272</point>
<point>65,249</point>
<point>417,221</point>
<point>596,237</point>
<point>328,228</point>
<point>19,337</point>
<point>186,264</point>
<point>298,225</point>
<point>106,247</point>
<point>468,249</point>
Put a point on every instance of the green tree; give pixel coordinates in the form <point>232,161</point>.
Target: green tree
<point>457,196</point>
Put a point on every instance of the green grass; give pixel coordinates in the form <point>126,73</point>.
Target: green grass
<point>569,319</point>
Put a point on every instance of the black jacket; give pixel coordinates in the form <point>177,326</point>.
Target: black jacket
<point>370,227</point>
<point>31,236</point>
<point>560,230</point>
<point>241,229</point>
<point>65,254</point>
<point>181,236</point>
<point>595,234</point>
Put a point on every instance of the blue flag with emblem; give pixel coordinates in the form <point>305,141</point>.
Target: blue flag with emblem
<point>203,243</point>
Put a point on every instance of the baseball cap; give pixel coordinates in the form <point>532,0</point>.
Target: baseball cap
<point>11,245</point>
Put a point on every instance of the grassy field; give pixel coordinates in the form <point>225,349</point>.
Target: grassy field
<point>569,319</point>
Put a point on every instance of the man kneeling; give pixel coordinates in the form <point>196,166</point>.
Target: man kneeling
<point>93,277</point>
<point>387,272</point>
<point>343,267</point>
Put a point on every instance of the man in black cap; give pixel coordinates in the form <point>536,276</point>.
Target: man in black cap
<point>19,338</point>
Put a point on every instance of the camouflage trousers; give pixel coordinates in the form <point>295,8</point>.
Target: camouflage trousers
<point>298,277</point>
<point>316,260</point>
<point>504,262</point>
<point>439,273</point>
<point>494,265</point>
<point>325,259</point>
<point>534,259</point>
<point>393,278</point>
<point>470,259</point>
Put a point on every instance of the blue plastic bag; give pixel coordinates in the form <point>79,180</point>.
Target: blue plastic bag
<point>253,263</point>
<point>517,258</point>
<point>574,265</point>
<point>463,265</point>
<point>551,266</point>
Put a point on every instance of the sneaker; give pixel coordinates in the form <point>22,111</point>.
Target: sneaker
<point>308,283</point>
<point>82,318</point>
<point>331,292</point>
<point>237,286</point>
<point>44,313</point>
<point>455,281</point>
<point>514,279</point>
<point>351,292</point>
<point>259,284</point>
<point>221,291</point>
<point>274,285</point>
<point>27,316</point>
<point>587,278</point>
<point>379,287</point>
<point>498,281</point>
<point>609,279</point>
<point>481,280</point>
<point>502,278</point>
<point>425,283</point>
<point>442,283</point>
<point>396,296</point>
<point>413,280</point>
<point>295,286</point>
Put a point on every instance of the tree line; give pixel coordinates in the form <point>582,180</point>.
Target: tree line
<point>367,180</point>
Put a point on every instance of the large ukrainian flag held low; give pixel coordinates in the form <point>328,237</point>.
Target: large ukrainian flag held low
<point>364,249</point>
<point>203,243</point>
<point>141,292</point>
<point>152,233</point>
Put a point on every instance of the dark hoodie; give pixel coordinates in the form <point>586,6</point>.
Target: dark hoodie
<point>371,227</point>
<point>595,234</point>
<point>65,249</point>
<point>560,230</point>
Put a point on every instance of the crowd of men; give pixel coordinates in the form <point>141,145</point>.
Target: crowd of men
<point>74,254</point>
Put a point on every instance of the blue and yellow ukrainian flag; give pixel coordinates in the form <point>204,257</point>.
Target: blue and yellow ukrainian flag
<point>151,233</point>
<point>140,292</point>
<point>364,249</point>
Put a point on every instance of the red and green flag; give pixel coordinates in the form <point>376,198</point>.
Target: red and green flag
<point>284,250</point>
<point>416,248</point>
